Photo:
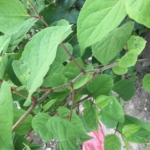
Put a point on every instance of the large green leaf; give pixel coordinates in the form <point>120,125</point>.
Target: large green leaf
<point>6,115</point>
<point>38,55</point>
<point>25,126</point>
<point>119,70</point>
<point>91,115</point>
<point>102,101</point>
<point>125,89</point>
<point>20,33</point>
<point>102,84</point>
<point>112,142</point>
<point>146,82</point>
<point>139,11</point>
<point>63,130</point>
<point>12,16</point>
<point>97,18</point>
<point>114,110</point>
<point>111,44</point>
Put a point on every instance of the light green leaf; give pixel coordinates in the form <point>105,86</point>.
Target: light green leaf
<point>20,33</point>
<point>112,142</point>
<point>4,42</point>
<point>61,55</point>
<point>3,65</point>
<point>12,16</point>
<point>63,130</point>
<point>64,112</point>
<point>27,147</point>
<point>129,59</point>
<point>119,70</point>
<point>98,18</point>
<point>136,43</point>
<point>139,11</point>
<point>91,115</point>
<point>49,104</point>
<point>130,129</point>
<point>125,89</point>
<point>102,84</point>
<point>111,44</point>
<point>6,115</point>
<point>114,110</point>
<point>38,55</point>
<point>83,80</point>
<point>25,126</point>
<point>146,82</point>
<point>102,101</point>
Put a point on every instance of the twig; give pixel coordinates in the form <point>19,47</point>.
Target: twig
<point>81,70</point>
<point>38,14</point>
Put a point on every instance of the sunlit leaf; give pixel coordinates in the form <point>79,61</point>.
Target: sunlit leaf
<point>146,82</point>
<point>97,18</point>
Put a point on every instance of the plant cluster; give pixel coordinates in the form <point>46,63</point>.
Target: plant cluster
<point>56,55</point>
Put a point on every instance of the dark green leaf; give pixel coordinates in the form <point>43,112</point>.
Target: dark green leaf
<point>125,89</point>
<point>102,84</point>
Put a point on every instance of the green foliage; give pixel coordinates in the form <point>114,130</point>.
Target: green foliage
<point>58,55</point>
<point>112,142</point>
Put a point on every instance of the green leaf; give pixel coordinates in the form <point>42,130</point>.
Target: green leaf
<point>31,70</point>
<point>102,101</point>
<point>108,121</point>
<point>119,70</point>
<point>112,142</point>
<point>20,33</point>
<point>125,89</point>
<point>142,135</point>
<point>71,70</point>
<point>6,115</point>
<point>146,82</point>
<point>49,104</point>
<point>4,42</point>
<point>12,16</point>
<point>25,126</point>
<point>63,130</point>
<point>91,115</point>
<point>27,147</point>
<point>3,65</point>
<point>72,16</point>
<point>64,112</point>
<point>136,43</point>
<point>61,55</point>
<point>97,19</point>
<point>102,84</point>
<point>39,126</point>
<point>114,110</point>
<point>82,81</point>
<point>68,3</point>
<point>55,80</point>
<point>129,59</point>
<point>111,44</point>
<point>139,11</point>
<point>130,129</point>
